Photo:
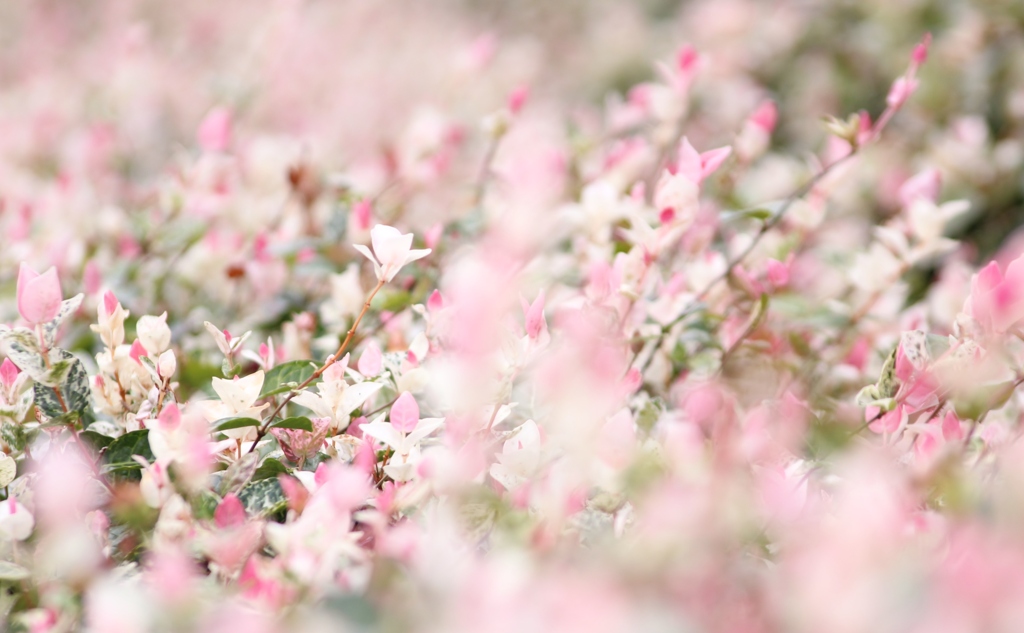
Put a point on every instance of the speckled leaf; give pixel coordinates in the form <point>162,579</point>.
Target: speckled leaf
<point>13,435</point>
<point>74,387</point>
<point>239,473</point>
<point>264,497</point>
<point>67,308</point>
<point>22,347</point>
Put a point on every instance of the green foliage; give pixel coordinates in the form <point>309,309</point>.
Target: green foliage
<point>264,497</point>
<point>73,389</point>
<point>286,376</point>
<point>118,456</point>
<point>269,468</point>
<point>226,424</point>
<point>300,423</point>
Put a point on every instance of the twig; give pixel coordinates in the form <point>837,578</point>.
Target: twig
<point>316,374</point>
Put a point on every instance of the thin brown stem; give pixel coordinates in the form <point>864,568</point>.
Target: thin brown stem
<point>316,374</point>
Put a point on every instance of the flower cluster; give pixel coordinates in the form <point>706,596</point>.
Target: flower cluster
<point>426,339</point>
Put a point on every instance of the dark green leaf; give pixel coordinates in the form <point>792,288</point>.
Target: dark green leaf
<point>225,424</point>
<point>298,423</point>
<point>97,441</point>
<point>122,449</point>
<point>269,468</point>
<point>286,376</point>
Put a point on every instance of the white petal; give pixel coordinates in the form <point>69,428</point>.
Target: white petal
<point>314,403</point>
<point>357,394</point>
<point>389,245</point>
<point>416,254</point>
<point>239,394</point>
<point>384,432</point>
<point>366,252</point>
<point>425,427</point>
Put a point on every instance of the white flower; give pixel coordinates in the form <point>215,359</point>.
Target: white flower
<point>519,457</point>
<point>110,317</point>
<point>16,521</point>
<point>402,464</point>
<point>391,251</point>
<point>154,334</point>
<point>237,399</point>
<point>167,364</point>
<point>227,344</point>
<point>336,400</point>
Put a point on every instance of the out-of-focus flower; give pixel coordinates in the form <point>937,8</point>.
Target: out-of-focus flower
<point>39,296</point>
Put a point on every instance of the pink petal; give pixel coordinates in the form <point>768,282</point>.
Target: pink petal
<point>39,296</point>
<point>109,302</point>
<point>405,413</point>
<point>765,116</point>
<point>170,418</point>
<point>137,351</point>
<point>230,512</point>
<point>8,373</point>
<point>535,316</point>
<point>435,302</point>
<point>214,134</point>
<point>711,160</point>
<point>371,360</point>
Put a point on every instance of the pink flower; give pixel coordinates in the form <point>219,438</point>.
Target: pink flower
<point>39,296</point>
<point>299,445</point>
<point>997,300</point>
<point>371,361</point>
<point>8,373</point>
<point>391,251</point>
<point>214,134</point>
<point>405,413</point>
<point>534,315</point>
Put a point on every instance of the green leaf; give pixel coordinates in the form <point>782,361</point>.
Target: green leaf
<point>225,424</point>
<point>269,468</point>
<point>13,435</point>
<point>67,307</point>
<point>122,449</point>
<point>298,423</point>
<point>264,497</point>
<point>649,414</point>
<point>97,441</point>
<point>22,346</point>
<point>204,505</point>
<point>286,376</point>
<point>355,609</point>
<point>118,456</point>
<point>74,387</point>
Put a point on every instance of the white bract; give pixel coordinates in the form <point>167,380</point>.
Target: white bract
<point>391,250</point>
<point>401,465</point>
<point>237,399</point>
